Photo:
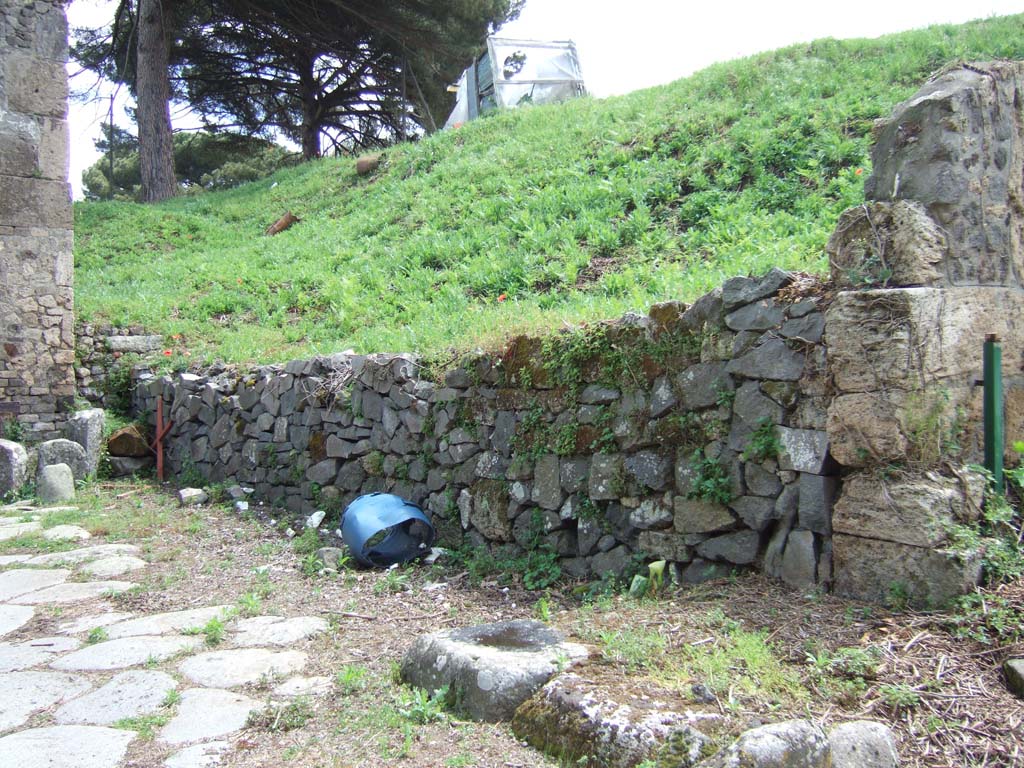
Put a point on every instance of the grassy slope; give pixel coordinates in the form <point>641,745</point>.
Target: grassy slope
<point>742,166</point>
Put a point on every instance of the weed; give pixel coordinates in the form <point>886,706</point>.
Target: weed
<point>351,679</point>
<point>635,649</point>
<point>711,482</point>
<point>213,631</point>
<point>393,580</point>
<point>311,565</point>
<point>423,708</point>
<point>307,542</point>
<point>250,604</point>
<point>96,635</point>
<point>172,698</point>
<point>899,696</point>
<point>763,443</point>
<point>542,609</point>
<point>145,726</point>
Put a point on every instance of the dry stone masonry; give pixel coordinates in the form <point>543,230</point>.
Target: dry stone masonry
<point>36,334</point>
<point>694,434</point>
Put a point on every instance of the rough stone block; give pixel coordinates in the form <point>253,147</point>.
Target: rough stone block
<point>863,744</point>
<point>878,571</point>
<point>817,493</point>
<point>739,547</point>
<point>910,338</point>
<point>488,510</point>
<point>756,512</point>
<point>55,483</point>
<point>771,359</point>
<point>44,202</point>
<point>53,151</point>
<point>649,469</point>
<point>62,451</point>
<point>701,385</point>
<point>13,466</point>
<point>914,509</point>
<point>799,562</point>
<point>86,429</point>
<point>35,86</point>
<point>737,291</point>
<point>805,450</point>
<point>757,316</point>
<point>666,546</point>
<point>697,516</point>
<point>547,483</point>
<point>606,476</point>
<point>964,165</point>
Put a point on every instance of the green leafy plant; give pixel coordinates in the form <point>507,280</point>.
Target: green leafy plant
<point>423,708</point>
<point>281,716</point>
<point>764,443</point>
<point>711,481</point>
<point>96,635</point>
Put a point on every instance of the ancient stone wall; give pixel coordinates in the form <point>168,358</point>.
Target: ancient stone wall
<point>36,333</point>
<point>933,263</point>
<point>694,434</point>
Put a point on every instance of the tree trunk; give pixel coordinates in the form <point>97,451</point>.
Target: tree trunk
<point>311,117</point>
<point>156,155</point>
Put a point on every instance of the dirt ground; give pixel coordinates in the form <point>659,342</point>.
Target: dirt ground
<point>752,650</point>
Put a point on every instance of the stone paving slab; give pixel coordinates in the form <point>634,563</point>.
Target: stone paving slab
<point>18,529</point>
<point>277,630</point>
<point>14,617</point>
<point>32,653</point>
<point>206,713</point>
<point>128,694</point>
<point>231,668</point>
<point>162,623</point>
<point>90,622</point>
<point>73,592</point>
<point>84,554</point>
<point>66,533</point>
<point>303,686</point>
<point>126,652</point>
<point>23,580</point>
<point>28,692</point>
<point>205,755</point>
<point>13,559</point>
<point>117,565</point>
<point>65,746</point>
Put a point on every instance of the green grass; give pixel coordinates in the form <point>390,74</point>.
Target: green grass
<point>473,234</point>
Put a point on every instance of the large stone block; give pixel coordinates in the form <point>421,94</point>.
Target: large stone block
<point>64,452</point>
<point>35,86</point>
<point>909,338</point>
<point>913,509</point>
<point>13,466</point>
<point>86,429</point>
<point>887,245</point>
<point>43,202</point>
<point>879,571</point>
<point>956,147</point>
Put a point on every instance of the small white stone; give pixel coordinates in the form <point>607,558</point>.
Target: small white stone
<point>192,496</point>
<point>314,520</point>
<point>241,506</point>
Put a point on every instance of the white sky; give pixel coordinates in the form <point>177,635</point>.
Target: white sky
<point>626,46</point>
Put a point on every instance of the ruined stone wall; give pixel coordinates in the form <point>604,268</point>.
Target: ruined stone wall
<point>932,263</point>
<point>616,440</point>
<point>36,330</point>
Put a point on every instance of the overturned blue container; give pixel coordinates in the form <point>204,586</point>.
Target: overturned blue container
<point>382,529</point>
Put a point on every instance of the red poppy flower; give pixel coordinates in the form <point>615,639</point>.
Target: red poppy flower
<point>167,353</point>
<point>502,297</point>
<point>859,171</point>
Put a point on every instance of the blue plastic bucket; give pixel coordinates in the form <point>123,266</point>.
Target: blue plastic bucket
<point>382,529</point>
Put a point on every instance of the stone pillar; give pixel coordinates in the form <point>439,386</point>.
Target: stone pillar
<point>36,326</point>
<point>932,263</point>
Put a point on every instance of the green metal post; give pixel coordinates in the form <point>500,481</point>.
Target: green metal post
<point>993,409</point>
